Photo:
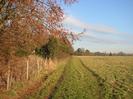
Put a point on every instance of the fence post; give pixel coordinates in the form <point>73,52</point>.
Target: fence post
<point>8,77</point>
<point>27,69</point>
<point>38,66</point>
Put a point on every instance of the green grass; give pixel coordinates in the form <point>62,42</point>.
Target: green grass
<point>78,83</point>
<point>97,77</point>
<point>48,85</point>
<point>93,77</point>
<point>116,71</point>
<point>89,77</point>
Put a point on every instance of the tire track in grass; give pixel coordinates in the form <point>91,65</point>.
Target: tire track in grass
<point>78,83</point>
<point>47,85</point>
<point>61,78</point>
<point>100,80</point>
<point>117,86</point>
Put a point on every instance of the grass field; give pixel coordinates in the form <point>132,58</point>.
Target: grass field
<point>115,74</point>
<point>89,77</point>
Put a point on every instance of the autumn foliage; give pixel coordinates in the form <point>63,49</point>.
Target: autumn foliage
<point>26,25</point>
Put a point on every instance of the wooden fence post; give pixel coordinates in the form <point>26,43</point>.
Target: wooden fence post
<point>8,77</point>
<point>38,66</point>
<point>27,69</point>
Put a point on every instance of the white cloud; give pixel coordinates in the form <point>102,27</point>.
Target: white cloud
<point>106,41</point>
<point>89,27</point>
<point>101,37</point>
<point>93,32</point>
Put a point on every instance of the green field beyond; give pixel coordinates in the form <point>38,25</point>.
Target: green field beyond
<point>92,77</point>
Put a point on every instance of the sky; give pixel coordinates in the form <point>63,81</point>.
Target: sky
<point>108,24</point>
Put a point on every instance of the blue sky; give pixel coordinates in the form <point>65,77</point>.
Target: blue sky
<point>108,24</point>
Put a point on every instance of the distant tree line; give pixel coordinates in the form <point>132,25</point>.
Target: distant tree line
<point>86,52</point>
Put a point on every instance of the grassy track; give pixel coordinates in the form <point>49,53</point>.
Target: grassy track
<point>78,83</point>
<point>100,81</point>
<point>89,78</point>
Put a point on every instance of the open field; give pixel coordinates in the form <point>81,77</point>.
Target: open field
<point>88,77</point>
<point>93,77</point>
<point>115,75</point>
